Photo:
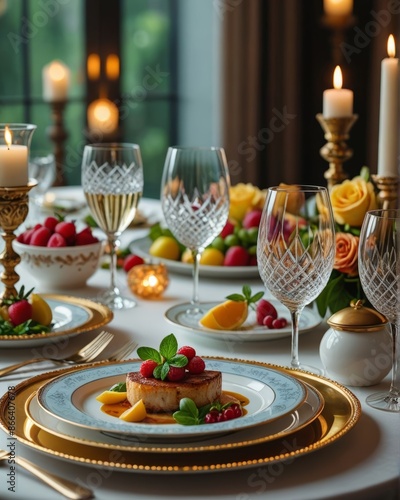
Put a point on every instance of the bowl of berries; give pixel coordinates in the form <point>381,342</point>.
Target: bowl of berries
<point>57,254</point>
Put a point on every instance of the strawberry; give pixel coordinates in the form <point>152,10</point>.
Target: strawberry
<point>19,312</point>
<point>131,261</point>
<point>85,237</point>
<point>67,230</point>
<point>236,256</point>
<point>40,237</point>
<point>51,223</point>
<point>56,241</point>
<point>252,219</point>
<point>227,229</point>
<point>265,308</point>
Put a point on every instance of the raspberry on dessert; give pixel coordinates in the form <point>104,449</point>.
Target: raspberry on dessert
<point>147,368</point>
<point>187,351</point>
<point>176,373</point>
<point>196,365</point>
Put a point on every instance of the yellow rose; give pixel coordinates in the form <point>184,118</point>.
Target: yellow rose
<point>243,198</point>
<point>351,200</point>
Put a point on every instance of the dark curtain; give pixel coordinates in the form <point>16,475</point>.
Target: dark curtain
<point>279,57</point>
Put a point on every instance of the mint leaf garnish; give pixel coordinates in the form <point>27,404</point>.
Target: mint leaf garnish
<point>165,358</point>
<point>169,346</point>
<point>121,387</point>
<point>246,296</point>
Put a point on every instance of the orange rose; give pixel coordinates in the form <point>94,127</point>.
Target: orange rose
<point>346,254</point>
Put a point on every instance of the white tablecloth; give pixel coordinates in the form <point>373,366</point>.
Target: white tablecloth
<point>364,464</point>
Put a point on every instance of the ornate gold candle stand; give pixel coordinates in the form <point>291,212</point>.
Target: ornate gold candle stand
<point>336,151</point>
<point>14,203</point>
<point>58,134</point>
<point>387,190</point>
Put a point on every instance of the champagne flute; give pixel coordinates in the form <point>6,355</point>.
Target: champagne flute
<point>112,180</point>
<point>296,249</point>
<point>379,269</point>
<point>195,201</point>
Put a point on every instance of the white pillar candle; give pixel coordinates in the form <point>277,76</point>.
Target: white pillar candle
<point>338,7</point>
<point>337,102</point>
<point>13,163</point>
<point>389,114</point>
<point>56,76</point>
<point>103,116</point>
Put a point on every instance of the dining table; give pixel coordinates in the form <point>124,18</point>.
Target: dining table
<point>362,463</point>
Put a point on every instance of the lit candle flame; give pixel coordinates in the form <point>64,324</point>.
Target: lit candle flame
<point>8,136</point>
<point>337,78</point>
<point>391,47</point>
<point>57,71</point>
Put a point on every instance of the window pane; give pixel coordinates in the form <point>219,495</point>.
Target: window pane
<point>59,35</point>
<point>148,125</point>
<point>147,84</point>
<point>145,46</point>
<point>11,50</point>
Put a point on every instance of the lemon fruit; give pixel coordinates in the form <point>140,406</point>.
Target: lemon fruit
<point>187,256</point>
<point>41,311</point>
<point>212,257</point>
<point>232,313</point>
<point>111,397</point>
<point>165,247</point>
<point>136,413</point>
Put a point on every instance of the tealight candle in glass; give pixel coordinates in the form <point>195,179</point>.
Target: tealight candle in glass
<point>148,281</point>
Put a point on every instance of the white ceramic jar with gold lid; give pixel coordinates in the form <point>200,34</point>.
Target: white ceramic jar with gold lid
<point>356,350</point>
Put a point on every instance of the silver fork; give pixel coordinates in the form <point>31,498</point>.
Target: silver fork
<point>84,355</point>
<point>123,351</point>
<point>67,488</point>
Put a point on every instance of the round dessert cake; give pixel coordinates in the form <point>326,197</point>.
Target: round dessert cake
<point>164,396</point>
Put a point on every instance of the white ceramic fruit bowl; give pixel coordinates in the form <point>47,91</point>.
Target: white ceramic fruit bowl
<point>59,268</point>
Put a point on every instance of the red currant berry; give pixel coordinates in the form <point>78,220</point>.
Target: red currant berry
<point>229,414</point>
<point>268,320</point>
<point>187,351</point>
<point>176,373</point>
<point>210,418</point>
<point>196,365</point>
<point>147,368</point>
<point>237,409</point>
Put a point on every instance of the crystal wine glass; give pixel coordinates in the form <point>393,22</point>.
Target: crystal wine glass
<point>112,180</point>
<point>296,249</point>
<point>379,269</point>
<point>195,201</point>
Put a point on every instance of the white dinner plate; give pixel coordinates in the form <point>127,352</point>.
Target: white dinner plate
<point>71,316</point>
<point>287,424</point>
<point>141,247</point>
<point>72,398</point>
<point>250,331</point>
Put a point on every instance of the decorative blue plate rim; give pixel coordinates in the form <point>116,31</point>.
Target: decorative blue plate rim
<point>72,398</point>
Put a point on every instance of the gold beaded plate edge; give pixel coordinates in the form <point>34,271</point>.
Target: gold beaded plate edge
<point>94,315</point>
<point>340,414</point>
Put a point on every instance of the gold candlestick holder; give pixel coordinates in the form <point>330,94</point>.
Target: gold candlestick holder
<point>14,206</point>
<point>336,151</point>
<point>387,190</point>
<point>58,134</point>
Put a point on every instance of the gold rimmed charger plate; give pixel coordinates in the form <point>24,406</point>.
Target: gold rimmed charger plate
<point>339,415</point>
<point>98,315</point>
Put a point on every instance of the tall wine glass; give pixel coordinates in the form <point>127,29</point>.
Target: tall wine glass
<point>379,269</point>
<point>112,180</point>
<point>296,249</point>
<point>195,201</point>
